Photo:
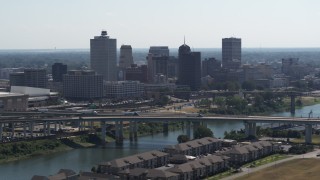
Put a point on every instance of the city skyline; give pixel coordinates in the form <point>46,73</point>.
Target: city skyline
<point>69,24</point>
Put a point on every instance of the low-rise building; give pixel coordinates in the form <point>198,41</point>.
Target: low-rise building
<point>195,147</point>
<point>13,101</point>
<point>250,152</point>
<point>124,89</point>
<point>200,168</point>
<point>149,160</point>
<point>152,174</point>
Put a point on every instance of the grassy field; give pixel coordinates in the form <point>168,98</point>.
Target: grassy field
<point>308,101</point>
<point>315,139</point>
<point>296,169</point>
<point>256,163</point>
<point>266,160</point>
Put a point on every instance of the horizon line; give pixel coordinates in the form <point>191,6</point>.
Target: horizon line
<point>21,49</point>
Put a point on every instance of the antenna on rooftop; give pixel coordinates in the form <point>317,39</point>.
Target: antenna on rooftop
<point>184,39</point>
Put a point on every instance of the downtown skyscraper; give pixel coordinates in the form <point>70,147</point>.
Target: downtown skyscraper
<point>189,68</point>
<point>126,58</point>
<point>103,56</point>
<point>231,53</point>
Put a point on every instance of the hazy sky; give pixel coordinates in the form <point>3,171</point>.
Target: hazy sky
<point>45,24</point>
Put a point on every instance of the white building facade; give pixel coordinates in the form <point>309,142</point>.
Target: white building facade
<point>124,89</point>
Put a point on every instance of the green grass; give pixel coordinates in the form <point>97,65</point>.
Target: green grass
<point>256,163</point>
<point>315,139</point>
<point>266,160</point>
<point>306,168</point>
<point>222,175</point>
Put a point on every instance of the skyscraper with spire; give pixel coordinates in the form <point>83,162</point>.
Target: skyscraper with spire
<point>189,67</point>
<point>103,56</point>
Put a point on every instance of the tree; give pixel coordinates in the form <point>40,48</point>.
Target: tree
<point>248,85</point>
<point>220,101</point>
<point>183,138</point>
<point>202,132</point>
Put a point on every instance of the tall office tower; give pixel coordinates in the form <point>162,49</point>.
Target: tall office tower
<point>210,66</point>
<point>231,53</point>
<point>157,60</point>
<point>103,56</point>
<point>189,67</point>
<point>159,50</point>
<point>126,58</point>
<point>82,85</point>
<point>58,70</point>
<point>35,78</point>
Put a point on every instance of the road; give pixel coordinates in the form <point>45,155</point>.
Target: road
<point>246,171</point>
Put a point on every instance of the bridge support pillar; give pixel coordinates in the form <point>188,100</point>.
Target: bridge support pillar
<point>79,125</point>
<point>91,125</point>
<point>44,128</point>
<point>25,130</point>
<point>308,133</point>
<point>1,129</point>
<point>119,131</point>
<point>12,130</point>
<point>250,129</point>
<point>31,128</point>
<point>48,128</point>
<point>55,126</point>
<point>103,132</point>
<point>292,104</point>
<point>204,123</point>
<point>135,130</point>
<point>188,127</point>
<point>165,126</point>
<point>131,130</point>
<point>195,125</point>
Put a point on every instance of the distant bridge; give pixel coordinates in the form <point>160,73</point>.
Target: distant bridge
<point>31,119</point>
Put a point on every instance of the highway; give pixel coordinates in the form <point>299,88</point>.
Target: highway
<point>150,117</point>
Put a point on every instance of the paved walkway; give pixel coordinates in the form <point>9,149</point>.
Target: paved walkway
<point>246,171</point>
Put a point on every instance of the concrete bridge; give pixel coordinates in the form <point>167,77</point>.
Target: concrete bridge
<point>58,120</point>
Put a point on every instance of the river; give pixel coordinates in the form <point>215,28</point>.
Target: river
<point>84,159</point>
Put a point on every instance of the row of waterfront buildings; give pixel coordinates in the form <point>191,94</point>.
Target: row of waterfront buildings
<point>194,159</point>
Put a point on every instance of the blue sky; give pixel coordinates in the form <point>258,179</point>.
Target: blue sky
<point>45,24</point>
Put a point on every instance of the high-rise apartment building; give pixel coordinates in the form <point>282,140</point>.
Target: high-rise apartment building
<point>58,70</point>
<point>126,58</point>
<point>231,53</point>
<point>157,60</point>
<point>103,56</point>
<point>82,85</point>
<point>189,67</point>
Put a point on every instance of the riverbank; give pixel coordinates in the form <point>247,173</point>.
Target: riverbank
<point>15,151</point>
<point>262,110</point>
